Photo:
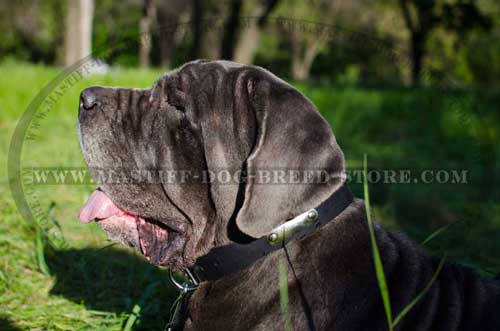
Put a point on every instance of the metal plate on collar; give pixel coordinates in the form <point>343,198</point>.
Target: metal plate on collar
<point>286,231</point>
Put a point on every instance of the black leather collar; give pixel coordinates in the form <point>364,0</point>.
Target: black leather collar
<point>225,260</point>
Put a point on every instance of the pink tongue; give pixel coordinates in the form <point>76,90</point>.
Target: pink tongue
<point>99,206</point>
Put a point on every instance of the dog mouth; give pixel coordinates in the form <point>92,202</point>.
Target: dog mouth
<point>155,240</point>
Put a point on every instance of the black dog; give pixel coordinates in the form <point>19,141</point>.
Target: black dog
<point>222,117</point>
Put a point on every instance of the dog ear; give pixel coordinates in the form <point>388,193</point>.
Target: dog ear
<point>292,139</point>
<point>228,127</point>
<point>249,119</point>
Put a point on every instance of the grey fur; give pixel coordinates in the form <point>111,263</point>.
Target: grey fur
<point>212,115</point>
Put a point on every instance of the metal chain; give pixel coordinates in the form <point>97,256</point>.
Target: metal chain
<point>178,310</point>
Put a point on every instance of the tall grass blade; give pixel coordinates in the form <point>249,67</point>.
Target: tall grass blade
<point>57,240</point>
<point>421,294</point>
<point>283,283</point>
<point>136,310</point>
<point>438,232</point>
<point>132,318</point>
<point>40,249</point>
<point>42,240</point>
<point>379,268</point>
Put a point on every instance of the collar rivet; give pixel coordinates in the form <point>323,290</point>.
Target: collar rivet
<point>273,237</point>
<point>312,215</point>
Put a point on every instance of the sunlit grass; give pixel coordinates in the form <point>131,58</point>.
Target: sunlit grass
<point>284,299</point>
<point>86,285</point>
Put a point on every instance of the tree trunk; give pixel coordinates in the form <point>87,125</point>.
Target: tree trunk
<point>145,26</point>
<point>303,57</point>
<point>417,54</point>
<point>418,28</point>
<point>206,26</point>
<point>168,16</point>
<point>78,37</point>
<point>247,44</point>
<point>249,41</point>
<point>231,28</point>
<point>212,36</point>
<point>167,42</point>
<point>196,27</point>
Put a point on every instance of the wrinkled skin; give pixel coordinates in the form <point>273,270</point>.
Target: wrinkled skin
<point>221,115</point>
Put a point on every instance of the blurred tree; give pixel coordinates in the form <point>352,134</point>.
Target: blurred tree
<point>145,26</point>
<point>442,36</point>
<point>32,29</point>
<point>306,46</point>
<point>482,55</point>
<point>206,20</point>
<point>304,31</point>
<point>422,16</point>
<point>196,27</point>
<point>388,62</point>
<point>78,37</point>
<point>169,14</point>
<point>116,31</point>
<point>231,29</point>
<point>248,41</point>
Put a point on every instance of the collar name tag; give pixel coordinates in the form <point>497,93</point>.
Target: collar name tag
<point>292,228</point>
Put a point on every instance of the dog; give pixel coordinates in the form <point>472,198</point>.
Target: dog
<point>223,117</point>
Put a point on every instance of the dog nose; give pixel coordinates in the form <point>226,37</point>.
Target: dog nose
<point>89,97</point>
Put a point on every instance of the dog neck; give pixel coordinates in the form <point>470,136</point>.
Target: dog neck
<point>224,261</point>
<point>228,259</point>
<point>237,298</point>
<point>331,285</point>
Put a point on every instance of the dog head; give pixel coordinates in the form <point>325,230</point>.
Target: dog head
<point>213,152</point>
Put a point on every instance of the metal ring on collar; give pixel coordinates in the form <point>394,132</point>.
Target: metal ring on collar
<point>187,286</point>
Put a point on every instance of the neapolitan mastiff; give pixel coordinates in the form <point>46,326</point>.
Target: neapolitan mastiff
<point>221,117</point>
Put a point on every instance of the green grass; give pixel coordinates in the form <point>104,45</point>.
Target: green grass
<point>284,298</point>
<point>86,284</point>
<point>406,128</point>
